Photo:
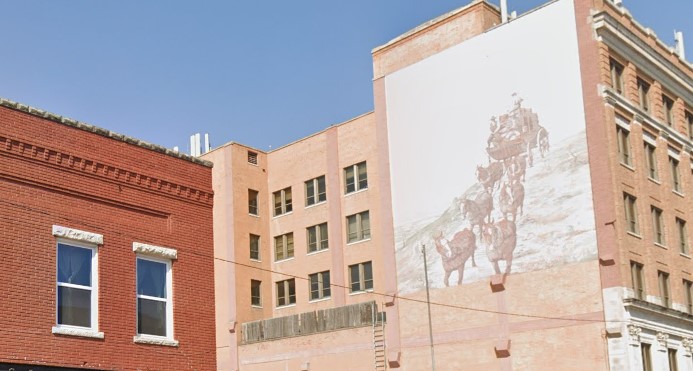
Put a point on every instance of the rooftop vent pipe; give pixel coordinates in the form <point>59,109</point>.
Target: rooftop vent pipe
<point>504,10</point>
<point>678,39</point>
<point>618,2</point>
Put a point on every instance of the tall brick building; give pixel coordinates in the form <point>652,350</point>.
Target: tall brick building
<point>542,162</point>
<point>105,248</point>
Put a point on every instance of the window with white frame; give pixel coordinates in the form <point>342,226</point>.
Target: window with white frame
<point>361,277</point>
<point>358,227</point>
<point>254,247</point>
<point>355,177</point>
<point>286,292</point>
<point>154,294</point>
<point>317,237</point>
<point>319,285</point>
<point>77,297</point>
<point>282,201</point>
<point>284,247</point>
<point>316,191</point>
<point>253,202</point>
<point>256,293</point>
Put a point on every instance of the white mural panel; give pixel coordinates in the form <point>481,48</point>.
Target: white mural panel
<point>488,155</point>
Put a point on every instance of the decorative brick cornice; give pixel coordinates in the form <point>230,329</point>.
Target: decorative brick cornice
<point>54,157</point>
<point>100,131</point>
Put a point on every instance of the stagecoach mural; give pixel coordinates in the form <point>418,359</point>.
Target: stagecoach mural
<point>498,186</point>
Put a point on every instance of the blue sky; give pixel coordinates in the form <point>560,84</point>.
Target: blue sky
<point>263,73</point>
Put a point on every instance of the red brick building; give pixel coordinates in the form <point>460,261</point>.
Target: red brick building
<point>105,248</point>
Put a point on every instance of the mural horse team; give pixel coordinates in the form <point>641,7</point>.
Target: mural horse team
<point>513,138</point>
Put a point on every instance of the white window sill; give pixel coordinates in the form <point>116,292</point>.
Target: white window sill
<point>81,332</point>
<point>254,215</point>
<point>685,255</point>
<point>255,260</point>
<point>284,260</point>
<point>634,234</point>
<point>285,306</point>
<point>628,166</point>
<point>280,215</point>
<point>358,242</point>
<point>661,246</point>
<point>678,193</point>
<point>317,251</point>
<point>369,291</point>
<point>326,298</point>
<point>355,192</point>
<point>653,180</point>
<point>256,306</point>
<point>316,204</point>
<point>154,340</point>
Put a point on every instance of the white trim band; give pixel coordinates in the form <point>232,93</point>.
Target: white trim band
<point>162,252</point>
<point>77,235</point>
<point>674,153</point>
<point>154,340</point>
<point>69,331</point>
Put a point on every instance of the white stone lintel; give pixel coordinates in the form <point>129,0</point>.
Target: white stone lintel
<point>77,235</point>
<point>158,251</point>
<point>70,331</point>
<point>154,340</point>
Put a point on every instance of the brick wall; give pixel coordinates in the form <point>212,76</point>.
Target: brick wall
<point>57,174</point>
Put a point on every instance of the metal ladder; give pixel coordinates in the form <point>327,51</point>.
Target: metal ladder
<point>379,340</point>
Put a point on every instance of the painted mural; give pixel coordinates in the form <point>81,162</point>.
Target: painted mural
<point>489,158</point>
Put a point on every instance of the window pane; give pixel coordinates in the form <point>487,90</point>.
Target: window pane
<point>277,203</point>
<point>151,278</point>
<point>254,247</point>
<point>279,248</point>
<point>310,192</point>
<point>322,194</point>
<point>287,199</point>
<point>151,317</point>
<point>355,278</point>
<point>363,176</point>
<point>281,295</point>
<point>352,233</point>
<point>312,239</point>
<point>349,179</point>
<point>323,236</point>
<point>74,265</point>
<point>326,283</point>
<point>368,276</point>
<point>365,225</point>
<point>74,306</point>
<point>314,287</point>
<point>292,291</point>
<point>289,245</point>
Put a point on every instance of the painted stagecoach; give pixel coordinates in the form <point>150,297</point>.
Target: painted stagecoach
<point>516,132</point>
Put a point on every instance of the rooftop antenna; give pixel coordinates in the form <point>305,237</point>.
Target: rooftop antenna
<point>678,39</point>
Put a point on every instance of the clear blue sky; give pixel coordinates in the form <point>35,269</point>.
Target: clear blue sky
<point>263,73</point>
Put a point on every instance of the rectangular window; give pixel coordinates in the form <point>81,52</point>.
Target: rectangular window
<point>77,299</point>
<point>317,237</point>
<point>358,227</point>
<point>689,124</point>
<point>319,285</point>
<point>282,201</point>
<point>286,292</point>
<point>664,292</point>
<point>284,246</point>
<point>675,175</point>
<point>252,157</point>
<point>631,213</point>
<point>616,70</point>
<point>255,293</point>
<point>638,280</point>
<point>658,225</point>
<point>668,110</point>
<point>315,191</point>
<point>643,94</point>
<point>683,235</point>
<point>253,202</point>
<point>254,247</point>
<point>651,161</point>
<point>645,353</point>
<point>688,295</point>
<point>355,177</point>
<point>623,138</point>
<point>154,309</point>
<point>361,277</point>
<point>673,363</point>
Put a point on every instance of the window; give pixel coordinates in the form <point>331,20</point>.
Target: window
<point>689,124</point>
<point>651,161</point>
<point>638,280</point>
<point>286,292</point>
<point>255,293</point>
<point>668,110</point>
<point>622,136</point>
<point>646,356</point>
<point>663,279</point>
<point>317,237</point>
<point>77,298</point>
<point>361,277</point>
<point>657,225</point>
<point>355,177</point>
<point>683,235</point>
<point>315,191</point>
<point>643,91</point>
<point>675,175</point>
<point>616,75</point>
<point>253,202</point>
<point>673,364</point>
<point>252,157</point>
<point>254,247</point>
<point>284,247</point>
<point>319,285</point>
<point>282,201</point>
<point>631,213</point>
<point>688,295</point>
<point>154,297</point>
<point>358,227</point>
